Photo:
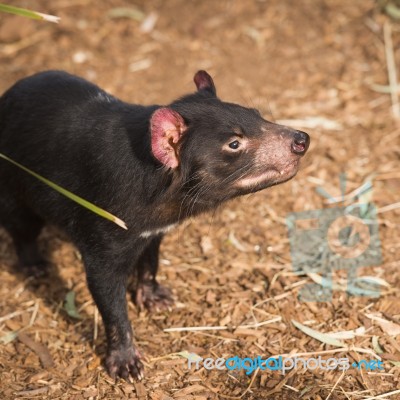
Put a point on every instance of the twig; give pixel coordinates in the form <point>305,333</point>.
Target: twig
<point>383,395</point>
<point>12,48</point>
<point>282,383</point>
<point>33,392</point>
<point>389,207</point>
<point>365,187</point>
<point>15,314</point>
<point>217,337</point>
<point>276,298</point>
<point>221,328</point>
<point>224,396</point>
<point>34,313</point>
<point>334,386</point>
<point>383,88</point>
<point>96,326</point>
<point>312,123</point>
<point>388,175</point>
<point>391,67</point>
<point>339,350</point>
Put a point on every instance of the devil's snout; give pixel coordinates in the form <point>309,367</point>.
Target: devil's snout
<point>300,143</point>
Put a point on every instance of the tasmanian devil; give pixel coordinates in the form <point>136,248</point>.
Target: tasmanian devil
<point>152,166</point>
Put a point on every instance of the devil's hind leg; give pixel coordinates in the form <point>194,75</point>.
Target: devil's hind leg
<point>24,226</point>
<point>149,293</point>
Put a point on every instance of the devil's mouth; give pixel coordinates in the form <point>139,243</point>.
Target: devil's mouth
<point>272,176</point>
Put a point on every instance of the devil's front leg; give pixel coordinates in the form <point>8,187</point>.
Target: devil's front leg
<point>149,293</point>
<point>107,278</point>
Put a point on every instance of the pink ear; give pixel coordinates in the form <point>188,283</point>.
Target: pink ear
<point>167,127</point>
<point>204,81</point>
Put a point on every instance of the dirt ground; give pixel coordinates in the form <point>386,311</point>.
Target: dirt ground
<point>312,63</point>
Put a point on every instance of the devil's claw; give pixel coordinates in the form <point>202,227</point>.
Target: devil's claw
<point>124,363</point>
<point>153,297</point>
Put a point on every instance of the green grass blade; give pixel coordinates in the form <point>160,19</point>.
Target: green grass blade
<point>23,12</point>
<point>84,203</point>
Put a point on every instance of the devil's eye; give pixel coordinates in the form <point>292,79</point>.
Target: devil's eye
<point>234,145</point>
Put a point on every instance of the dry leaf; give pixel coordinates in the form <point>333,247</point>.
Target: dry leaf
<point>388,327</point>
<point>322,337</point>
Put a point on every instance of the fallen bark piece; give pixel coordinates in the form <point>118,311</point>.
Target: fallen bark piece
<point>40,349</point>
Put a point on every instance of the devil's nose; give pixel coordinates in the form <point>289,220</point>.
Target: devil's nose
<point>300,143</point>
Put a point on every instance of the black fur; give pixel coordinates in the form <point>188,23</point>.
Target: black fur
<point>78,136</point>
